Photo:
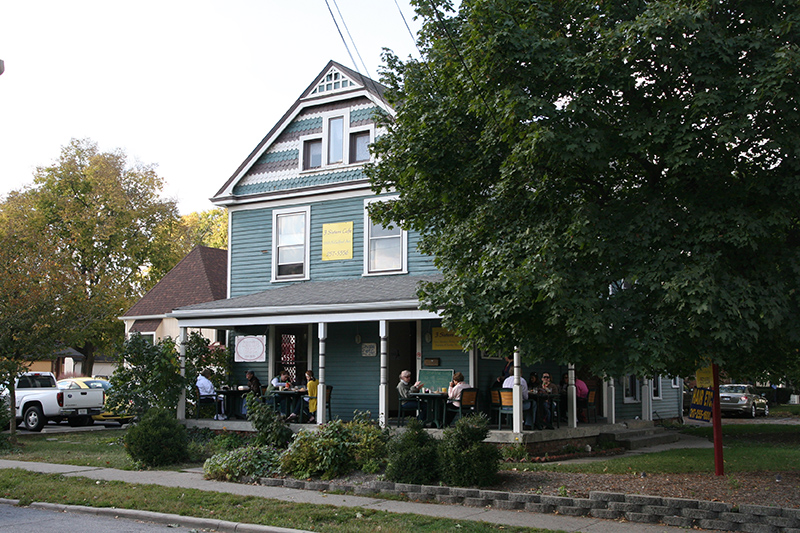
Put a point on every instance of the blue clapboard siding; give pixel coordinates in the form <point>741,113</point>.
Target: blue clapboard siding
<point>251,246</point>
<point>355,379</point>
<point>666,407</point>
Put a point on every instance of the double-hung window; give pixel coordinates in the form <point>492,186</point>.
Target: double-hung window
<point>384,247</point>
<point>631,389</point>
<point>290,250</point>
<point>337,144</point>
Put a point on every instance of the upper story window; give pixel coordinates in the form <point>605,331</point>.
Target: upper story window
<point>333,81</point>
<point>290,250</point>
<point>385,248</point>
<point>339,144</point>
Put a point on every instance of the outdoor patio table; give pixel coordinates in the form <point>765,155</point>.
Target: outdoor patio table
<point>541,398</point>
<point>435,406</point>
<point>232,401</point>
<point>291,396</point>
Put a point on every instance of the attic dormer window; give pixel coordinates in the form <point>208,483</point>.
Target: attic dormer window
<point>340,143</point>
<point>333,81</point>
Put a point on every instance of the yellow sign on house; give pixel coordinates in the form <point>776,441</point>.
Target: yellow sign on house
<point>337,241</point>
<point>444,339</point>
<point>705,378</point>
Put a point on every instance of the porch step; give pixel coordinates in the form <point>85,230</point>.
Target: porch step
<point>644,437</point>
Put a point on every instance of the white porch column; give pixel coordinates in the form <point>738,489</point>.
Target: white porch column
<point>322,397</point>
<point>517,426</point>
<point>647,400</point>
<point>611,402</point>
<point>572,399</point>
<point>383,391</point>
<point>182,354</point>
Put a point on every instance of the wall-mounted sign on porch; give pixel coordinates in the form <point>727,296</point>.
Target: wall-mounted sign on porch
<point>337,241</point>
<point>251,349</point>
<point>444,339</point>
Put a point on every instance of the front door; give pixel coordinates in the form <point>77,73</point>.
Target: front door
<point>291,351</point>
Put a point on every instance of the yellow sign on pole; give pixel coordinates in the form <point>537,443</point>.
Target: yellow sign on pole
<point>337,241</point>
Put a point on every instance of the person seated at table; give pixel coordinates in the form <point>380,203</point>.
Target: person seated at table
<point>308,405</point>
<point>404,389</point>
<point>582,396</point>
<point>253,386</point>
<point>533,382</point>
<point>281,381</point>
<point>454,391</point>
<point>528,407</point>
<point>550,388</point>
<point>208,394</point>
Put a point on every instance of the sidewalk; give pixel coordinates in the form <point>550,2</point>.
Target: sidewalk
<point>195,480</point>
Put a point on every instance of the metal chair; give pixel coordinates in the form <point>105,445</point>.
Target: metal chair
<point>328,391</point>
<point>401,410</point>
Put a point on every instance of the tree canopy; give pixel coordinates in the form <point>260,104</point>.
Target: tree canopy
<point>110,231</point>
<point>608,183</point>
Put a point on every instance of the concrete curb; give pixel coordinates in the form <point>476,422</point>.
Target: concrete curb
<point>158,518</point>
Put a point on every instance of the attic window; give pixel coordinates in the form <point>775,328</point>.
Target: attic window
<point>333,81</point>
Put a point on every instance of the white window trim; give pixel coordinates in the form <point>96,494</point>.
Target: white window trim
<point>676,383</point>
<point>638,392</point>
<point>307,252</point>
<point>656,379</point>
<point>403,242</point>
<point>326,116</point>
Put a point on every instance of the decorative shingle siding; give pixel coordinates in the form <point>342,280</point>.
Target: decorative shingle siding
<point>278,169</point>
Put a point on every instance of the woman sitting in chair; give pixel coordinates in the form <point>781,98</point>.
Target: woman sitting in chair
<point>454,394</point>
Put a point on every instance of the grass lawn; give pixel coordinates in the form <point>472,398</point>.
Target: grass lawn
<point>784,410</point>
<point>105,449</point>
<point>747,448</point>
<point>29,486</point>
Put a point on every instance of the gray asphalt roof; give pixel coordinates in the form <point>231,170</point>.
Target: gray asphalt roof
<point>367,290</point>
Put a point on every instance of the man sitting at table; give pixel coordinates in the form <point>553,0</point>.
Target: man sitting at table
<point>404,389</point>
<point>279,382</point>
<point>528,407</point>
<point>207,393</point>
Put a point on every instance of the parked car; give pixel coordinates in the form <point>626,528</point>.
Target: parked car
<point>95,383</point>
<point>742,399</point>
<point>39,400</point>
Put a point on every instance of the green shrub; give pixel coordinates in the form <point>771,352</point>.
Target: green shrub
<point>228,440</point>
<point>465,460</point>
<point>201,444</point>
<point>252,461</point>
<point>515,452</point>
<point>370,442</point>
<point>270,428</point>
<point>5,422</point>
<point>327,452</point>
<point>413,456</point>
<point>158,440</point>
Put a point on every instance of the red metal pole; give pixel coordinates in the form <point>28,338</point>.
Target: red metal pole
<point>716,419</point>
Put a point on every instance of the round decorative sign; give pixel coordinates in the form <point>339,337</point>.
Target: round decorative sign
<point>251,349</point>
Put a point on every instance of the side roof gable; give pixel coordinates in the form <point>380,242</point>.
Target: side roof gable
<point>199,277</point>
<point>331,88</point>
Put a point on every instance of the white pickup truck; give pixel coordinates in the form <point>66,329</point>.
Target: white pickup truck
<point>38,400</point>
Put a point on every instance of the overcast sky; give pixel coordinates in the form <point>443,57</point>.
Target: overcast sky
<point>190,86</point>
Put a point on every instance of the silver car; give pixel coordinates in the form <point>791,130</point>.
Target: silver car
<point>742,399</point>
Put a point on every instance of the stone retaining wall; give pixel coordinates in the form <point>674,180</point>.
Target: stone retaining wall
<point>677,512</point>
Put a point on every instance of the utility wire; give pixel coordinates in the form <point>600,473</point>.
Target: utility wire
<point>342,36</point>
<point>351,38</point>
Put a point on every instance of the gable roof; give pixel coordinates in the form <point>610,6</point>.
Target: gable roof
<point>320,92</point>
<point>201,276</point>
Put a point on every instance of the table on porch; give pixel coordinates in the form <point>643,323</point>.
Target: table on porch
<point>435,406</point>
<point>232,401</point>
<point>291,397</point>
<point>540,399</point>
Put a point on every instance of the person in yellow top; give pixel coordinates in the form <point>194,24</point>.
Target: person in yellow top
<point>309,403</point>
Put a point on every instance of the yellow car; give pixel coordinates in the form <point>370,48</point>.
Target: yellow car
<point>95,383</point>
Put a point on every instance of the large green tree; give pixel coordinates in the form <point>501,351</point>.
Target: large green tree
<point>611,183</point>
<point>114,230</point>
<point>32,288</point>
